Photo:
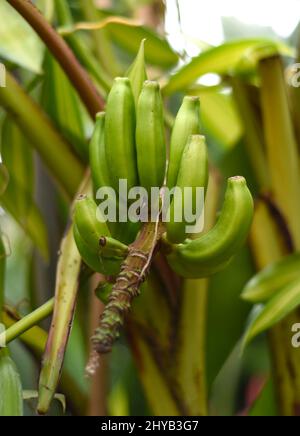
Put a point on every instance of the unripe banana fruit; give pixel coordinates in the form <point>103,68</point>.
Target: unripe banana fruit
<point>103,291</point>
<point>99,251</point>
<point>98,162</point>
<point>187,123</point>
<point>193,173</point>
<point>209,253</point>
<point>150,137</point>
<point>95,232</point>
<point>272,279</point>
<point>93,259</point>
<point>120,134</point>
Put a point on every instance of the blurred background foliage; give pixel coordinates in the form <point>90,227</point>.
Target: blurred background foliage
<point>36,212</point>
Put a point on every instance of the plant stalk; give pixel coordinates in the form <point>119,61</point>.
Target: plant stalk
<point>27,322</point>
<point>2,274</point>
<point>35,340</point>
<point>282,150</point>
<point>133,273</point>
<point>283,161</point>
<point>253,134</point>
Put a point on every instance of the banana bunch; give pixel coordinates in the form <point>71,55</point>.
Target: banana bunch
<point>129,142</point>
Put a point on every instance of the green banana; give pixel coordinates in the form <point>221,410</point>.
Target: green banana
<point>187,123</point>
<point>124,232</point>
<point>150,137</point>
<point>272,279</point>
<point>98,161</point>
<point>120,134</point>
<point>209,253</point>
<point>93,259</point>
<point>11,401</point>
<point>94,232</point>
<point>193,173</point>
<point>137,73</point>
<point>103,291</point>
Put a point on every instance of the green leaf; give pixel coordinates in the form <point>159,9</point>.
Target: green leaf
<point>4,179</point>
<point>223,59</point>
<point>62,104</point>
<point>157,51</point>
<point>11,402</point>
<point>272,279</point>
<point>220,117</point>
<point>17,156</point>
<point>30,218</point>
<point>274,311</point>
<point>18,42</point>
<point>2,272</point>
<point>46,7</point>
<point>128,34</point>
<point>137,72</point>
<point>67,169</point>
<point>81,49</point>
<point>18,199</point>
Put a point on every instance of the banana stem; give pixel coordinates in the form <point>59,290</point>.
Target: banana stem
<point>253,134</point>
<point>126,288</point>
<point>64,55</point>
<point>278,131</point>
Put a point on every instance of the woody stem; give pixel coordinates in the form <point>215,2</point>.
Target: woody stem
<point>133,273</point>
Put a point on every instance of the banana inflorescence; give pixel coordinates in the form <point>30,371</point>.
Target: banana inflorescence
<point>130,143</point>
